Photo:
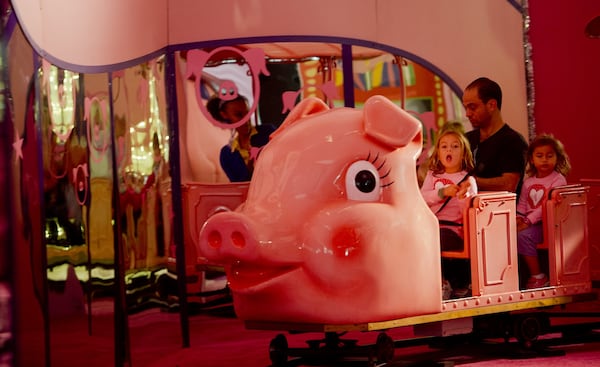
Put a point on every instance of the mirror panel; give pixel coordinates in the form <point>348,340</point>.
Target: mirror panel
<point>144,190</point>
<point>6,332</point>
<point>142,142</point>
<point>27,251</point>
<point>78,217</point>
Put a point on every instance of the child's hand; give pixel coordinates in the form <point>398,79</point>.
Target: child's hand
<point>467,188</point>
<point>521,223</point>
<point>463,189</point>
<point>451,190</point>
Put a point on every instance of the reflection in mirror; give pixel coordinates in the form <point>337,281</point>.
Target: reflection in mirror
<point>27,256</point>
<point>65,148</point>
<point>85,275</point>
<point>7,338</point>
<point>75,127</point>
<point>142,156</point>
<point>144,188</point>
<point>60,87</point>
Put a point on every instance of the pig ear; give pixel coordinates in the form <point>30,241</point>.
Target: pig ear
<point>388,123</point>
<point>308,106</point>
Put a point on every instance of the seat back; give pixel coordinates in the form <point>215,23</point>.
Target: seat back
<point>492,239</point>
<point>468,211</point>
<point>465,252</point>
<point>594,230</point>
<point>200,201</point>
<point>566,234</point>
<point>546,217</point>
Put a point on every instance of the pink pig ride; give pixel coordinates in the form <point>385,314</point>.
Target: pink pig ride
<point>334,229</point>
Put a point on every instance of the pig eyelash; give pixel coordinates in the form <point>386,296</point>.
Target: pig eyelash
<point>379,169</point>
<point>384,176</point>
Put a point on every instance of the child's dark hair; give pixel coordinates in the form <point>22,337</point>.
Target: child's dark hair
<point>215,105</point>
<point>563,165</point>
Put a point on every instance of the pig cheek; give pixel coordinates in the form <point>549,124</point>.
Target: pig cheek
<point>337,265</point>
<point>345,243</point>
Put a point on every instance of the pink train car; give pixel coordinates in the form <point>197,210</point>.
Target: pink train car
<point>305,252</point>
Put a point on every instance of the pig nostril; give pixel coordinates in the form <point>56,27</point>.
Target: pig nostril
<point>238,239</point>
<point>214,239</point>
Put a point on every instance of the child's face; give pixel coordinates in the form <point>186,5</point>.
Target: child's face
<point>544,160</point>
<point>450,153</point>
<point>234,111</point>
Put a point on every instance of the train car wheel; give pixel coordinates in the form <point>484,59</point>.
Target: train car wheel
<point>278,351</point>
<point>384,348</point>
<point>527,329</point>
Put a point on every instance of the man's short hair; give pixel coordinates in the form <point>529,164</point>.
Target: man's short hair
<point>487,89</point>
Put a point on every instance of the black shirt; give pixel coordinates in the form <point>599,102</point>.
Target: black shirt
<point>504,151</point>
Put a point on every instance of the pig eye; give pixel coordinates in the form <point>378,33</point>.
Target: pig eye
<point>362,181</point>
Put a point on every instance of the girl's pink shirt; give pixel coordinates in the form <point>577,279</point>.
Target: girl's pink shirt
<point>535,192</point>
<point>453,211</point>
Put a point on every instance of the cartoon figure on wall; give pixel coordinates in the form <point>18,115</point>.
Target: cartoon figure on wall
<point>227,90</point>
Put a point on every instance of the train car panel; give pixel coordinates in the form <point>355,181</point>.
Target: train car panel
<point>567,239</point>
<point>492,233</point>
<point>200,201</point>
<point>594,231</point>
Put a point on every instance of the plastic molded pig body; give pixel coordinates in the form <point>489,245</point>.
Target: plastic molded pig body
<point>334,229</point>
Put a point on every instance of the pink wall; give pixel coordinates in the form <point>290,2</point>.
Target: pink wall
<point>565,62</point>
<point>567,79</point>
<point>463,38</point>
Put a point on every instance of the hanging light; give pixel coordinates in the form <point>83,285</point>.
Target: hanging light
<point>592,29</point>
<point>60,92</point>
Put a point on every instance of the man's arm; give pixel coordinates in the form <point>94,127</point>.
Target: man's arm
<point>507,182</point>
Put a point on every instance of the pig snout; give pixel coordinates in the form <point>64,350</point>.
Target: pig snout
<point>227,237</point>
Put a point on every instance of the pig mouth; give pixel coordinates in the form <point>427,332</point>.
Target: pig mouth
<point>247,277</point>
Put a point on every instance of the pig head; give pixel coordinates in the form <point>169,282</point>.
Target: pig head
<point>334,228</point>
